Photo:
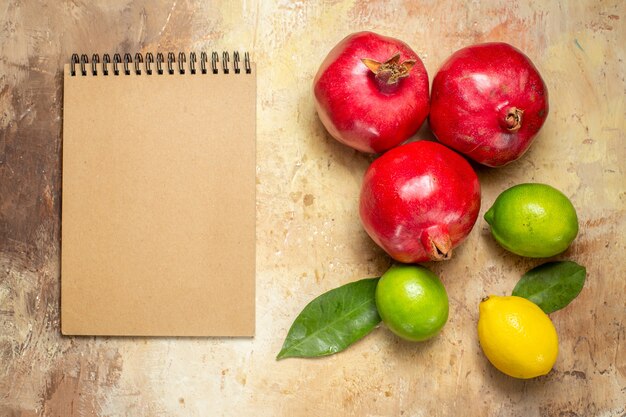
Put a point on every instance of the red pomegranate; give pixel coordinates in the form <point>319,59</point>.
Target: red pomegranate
<point>371,92</point>
<point>419,201</point>
<point>488,102</point>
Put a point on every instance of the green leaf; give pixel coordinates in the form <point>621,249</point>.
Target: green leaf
<point>552,285</point>
<point>333,321</point>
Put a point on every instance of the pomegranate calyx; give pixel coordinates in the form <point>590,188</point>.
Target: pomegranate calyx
<point>513,119</point>
<point>437,243</point>
<point>390,71</point>
<point>440,254</point>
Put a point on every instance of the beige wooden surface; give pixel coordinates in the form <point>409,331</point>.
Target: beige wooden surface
<point>309,238</point>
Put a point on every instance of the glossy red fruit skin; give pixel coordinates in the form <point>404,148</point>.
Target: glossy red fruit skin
<point>353,107</point>
<point>419,201</point>
<point>472,94</point>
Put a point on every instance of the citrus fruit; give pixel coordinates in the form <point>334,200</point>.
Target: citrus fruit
<point>412,302</point>
<point>534,220</point>
<point>517,337</point>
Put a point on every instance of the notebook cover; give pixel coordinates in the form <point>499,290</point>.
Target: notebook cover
<point>158,204</point>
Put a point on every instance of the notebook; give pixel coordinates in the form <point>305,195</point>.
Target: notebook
<point>158,195</point>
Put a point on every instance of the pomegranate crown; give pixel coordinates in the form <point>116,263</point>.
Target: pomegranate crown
<point>390,71</point>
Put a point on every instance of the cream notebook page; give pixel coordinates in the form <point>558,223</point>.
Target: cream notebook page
<point>158,202</point>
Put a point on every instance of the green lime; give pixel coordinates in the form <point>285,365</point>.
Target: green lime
<point>534,220</point>
<point>412,302</point>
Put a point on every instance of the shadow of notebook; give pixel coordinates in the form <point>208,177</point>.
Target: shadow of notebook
<point>158,201</point>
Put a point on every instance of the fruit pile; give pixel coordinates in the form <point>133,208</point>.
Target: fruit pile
<point>420,199</point>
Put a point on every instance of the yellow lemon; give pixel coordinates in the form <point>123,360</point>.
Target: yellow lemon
<point>517,337</point>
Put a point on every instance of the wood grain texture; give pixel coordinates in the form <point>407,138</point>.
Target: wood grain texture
<point>309,238</point>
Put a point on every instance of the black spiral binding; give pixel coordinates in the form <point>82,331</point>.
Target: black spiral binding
<point>79,64</point>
